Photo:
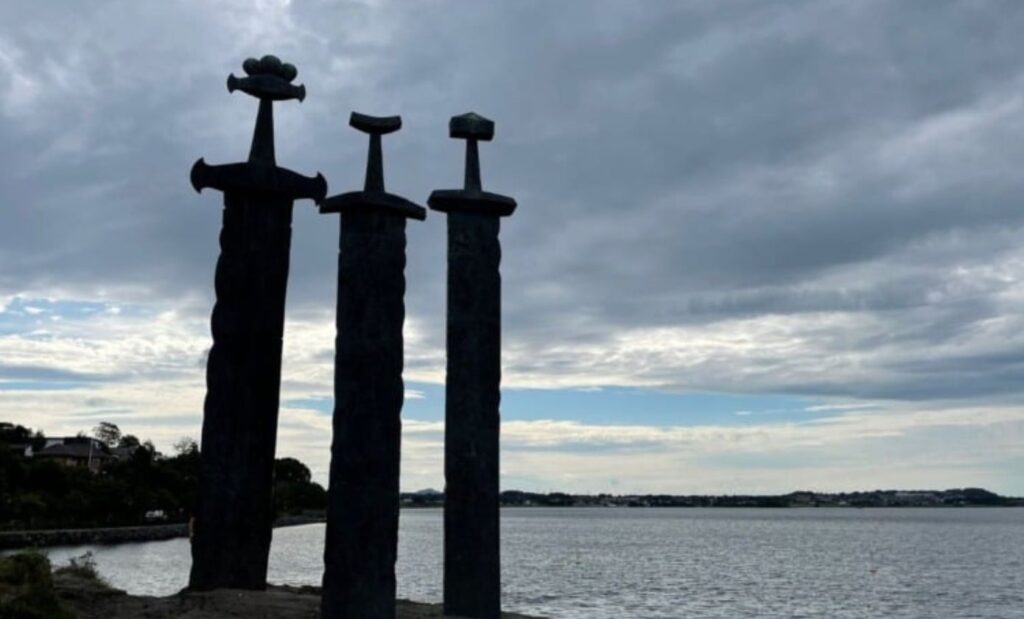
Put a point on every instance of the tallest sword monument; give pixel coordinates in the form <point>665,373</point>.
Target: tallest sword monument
<point>234,514</point>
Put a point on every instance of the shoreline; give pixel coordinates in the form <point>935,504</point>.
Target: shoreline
<point>49,538</point>
<point>84,593</point>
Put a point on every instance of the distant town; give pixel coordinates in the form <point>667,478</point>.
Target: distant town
<point>114,479</point>
<point>961,497</point>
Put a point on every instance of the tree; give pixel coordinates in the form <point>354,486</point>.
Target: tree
<point>186,445</point>
<point>14,434</point>
<point>43,494</point>
<point>107,432</point>
<point>291,470</point>
<point>129,440</point>
<point>293,489</point>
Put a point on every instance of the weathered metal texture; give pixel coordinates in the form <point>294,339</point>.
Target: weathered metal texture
<point>472,567</point>
<point>363,497</point>
<point>472,397</point>
<point>243,374</point>
<point>234,515</point>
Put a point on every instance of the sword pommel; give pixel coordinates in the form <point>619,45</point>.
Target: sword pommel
<point>268,78</point>
<point>471,126</point>
<point>375,125</point>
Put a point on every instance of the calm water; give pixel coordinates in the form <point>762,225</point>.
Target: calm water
<point>592,562</point>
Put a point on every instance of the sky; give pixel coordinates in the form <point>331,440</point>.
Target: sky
<point>760,246</point>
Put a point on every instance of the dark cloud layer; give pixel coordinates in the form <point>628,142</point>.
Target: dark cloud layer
<point>678,165</point>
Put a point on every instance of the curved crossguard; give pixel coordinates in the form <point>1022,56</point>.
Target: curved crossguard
<point>269,80</point>
<point>373,197</point>
<point>471,198</point>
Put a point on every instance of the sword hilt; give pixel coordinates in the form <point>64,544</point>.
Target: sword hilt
<point>268,79</point>
<point>471,127</point>
<point>373,198</point>
<point>376,126</point>
<point>471,198</point>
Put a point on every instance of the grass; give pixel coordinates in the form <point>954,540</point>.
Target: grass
<point>81,567</point>
<point>26,588</point>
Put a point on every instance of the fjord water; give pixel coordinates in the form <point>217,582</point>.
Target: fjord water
<point>682,562</point>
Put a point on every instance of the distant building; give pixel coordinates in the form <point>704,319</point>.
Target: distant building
<point>21,450</point>
<point>76,451</point>
<point>123,453</point>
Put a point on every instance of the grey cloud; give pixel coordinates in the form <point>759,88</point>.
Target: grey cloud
<point>677,164</point>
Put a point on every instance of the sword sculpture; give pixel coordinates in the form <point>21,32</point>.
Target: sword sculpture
<point>472,578</point>
<point>243,372</point>
<point>362,510</point>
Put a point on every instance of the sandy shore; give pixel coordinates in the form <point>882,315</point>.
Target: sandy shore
<point>90,599</point>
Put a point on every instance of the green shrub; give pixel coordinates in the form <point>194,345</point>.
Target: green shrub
<point>26,588</point>
<point>82,567</point>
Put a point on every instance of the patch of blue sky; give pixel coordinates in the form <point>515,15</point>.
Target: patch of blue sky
<point>323,404</point>
<point>23,315</point>
<point>611,406</point>
<point>423,402</point>
<point>638,406</point>
<point>592,447</point>
<point>63,307</point>
<point>40,385</point>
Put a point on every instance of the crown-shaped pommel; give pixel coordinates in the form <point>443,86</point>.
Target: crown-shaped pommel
<point>268,78</point>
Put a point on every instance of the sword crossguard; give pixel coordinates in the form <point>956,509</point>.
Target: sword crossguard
<point>260,178</point>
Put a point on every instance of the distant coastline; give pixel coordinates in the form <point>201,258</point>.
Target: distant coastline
<point>953,498</point>
<point>957,497</point>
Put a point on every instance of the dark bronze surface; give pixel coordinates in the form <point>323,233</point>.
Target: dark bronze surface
<point>233,518</point>
<point>363,496</point>
<point>472,566</point>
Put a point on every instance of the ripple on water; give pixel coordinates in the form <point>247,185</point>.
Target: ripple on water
<point>666,563</point>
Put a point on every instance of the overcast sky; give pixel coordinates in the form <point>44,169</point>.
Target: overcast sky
<point>760,246</point>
